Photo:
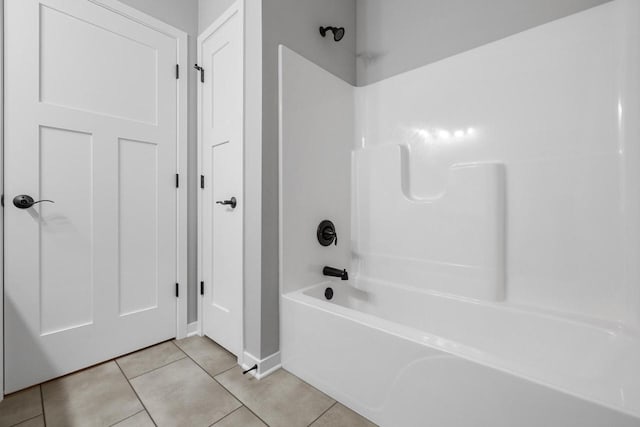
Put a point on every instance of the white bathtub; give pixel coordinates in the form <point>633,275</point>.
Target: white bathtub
<point>403,357</point>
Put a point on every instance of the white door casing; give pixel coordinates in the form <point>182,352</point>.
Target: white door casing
<point>2,186</point>
<point>94,120</point>
<point>220,109</point>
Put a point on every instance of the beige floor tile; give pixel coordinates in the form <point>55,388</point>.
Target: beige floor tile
<point>280,399</point>
<point>33,422</point>
<point>341,416</point>
<point>240,418</point>
<point>99,396</point>
<point>183,394</point>
<point>210,356</point>
<point>141,419</point>
<point>20,406</point>
<point>149,359</point>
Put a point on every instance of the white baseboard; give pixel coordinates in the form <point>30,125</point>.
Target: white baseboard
<point>192,329</point>
<point>266,366</point>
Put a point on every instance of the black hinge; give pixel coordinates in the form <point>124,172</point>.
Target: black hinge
<point>201,181</point>
<point>201,288</point>
<point>197,67</point>
<point>177,180</point>
<point>177,290</point>
<point>177,71</point>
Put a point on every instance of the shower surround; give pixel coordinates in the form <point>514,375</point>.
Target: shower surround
<point>488,212</point>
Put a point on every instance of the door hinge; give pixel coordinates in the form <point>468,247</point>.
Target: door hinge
<point>177,180</point>
<point>201,181</point>
<point>198,68</point>
<point>177,71</point>
<point>177,290</point>
<point>201,288</point>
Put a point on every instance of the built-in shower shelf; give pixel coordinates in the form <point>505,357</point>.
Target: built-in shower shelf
<point>452,243</point>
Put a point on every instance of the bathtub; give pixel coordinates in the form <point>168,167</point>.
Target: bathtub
<point>404,357</point>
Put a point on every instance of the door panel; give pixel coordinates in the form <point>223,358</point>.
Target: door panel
<point>138,225</point>
<point>221,101</point>
<point>69,60</point>
<point>66,230</point>
<point>90,123</point>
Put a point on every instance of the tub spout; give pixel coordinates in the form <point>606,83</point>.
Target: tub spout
<point>335,272</point>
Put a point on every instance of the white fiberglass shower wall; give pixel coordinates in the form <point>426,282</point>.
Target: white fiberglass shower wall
<point>488,211</point>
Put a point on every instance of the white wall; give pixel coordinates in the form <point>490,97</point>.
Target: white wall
<point>558,106</point>
<point>400,35</point>
<point>183,14</point>
<point>253,177</point>
<point>316,138</point>
<point>209,11</point>
<point>293,23</point>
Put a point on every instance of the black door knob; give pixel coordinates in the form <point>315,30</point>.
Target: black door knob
<point>231,202</point>
<point>25,202</point>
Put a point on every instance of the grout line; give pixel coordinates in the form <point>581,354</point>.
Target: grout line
<point>172,341</point>
<point>239,400</point>
<point>232,412</point>
<point>186,356</point>
<point>130,416</point>
<point>44,417</point>
<point>247,406</point>
<point>177,346</point>
<point>224,372</point>
<point>202,367</point>
<point>155,369</point>
<point>335,402</point>
<point>137,396</point>
<point>228,391</point>
<point>113,359</point>
<point>28,419</point>
<point>313,387</point>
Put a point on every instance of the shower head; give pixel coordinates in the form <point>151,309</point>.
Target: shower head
<point>338,33</point>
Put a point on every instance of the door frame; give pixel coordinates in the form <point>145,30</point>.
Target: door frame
<point>180,36</point>
<point>2,191</point>
<point>236,8</point>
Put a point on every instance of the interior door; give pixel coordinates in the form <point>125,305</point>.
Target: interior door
<point>91,124</point>
<point>221,121</point>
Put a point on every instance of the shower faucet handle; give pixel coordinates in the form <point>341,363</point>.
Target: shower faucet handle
<point>326,233</point>
<point>330,234</point>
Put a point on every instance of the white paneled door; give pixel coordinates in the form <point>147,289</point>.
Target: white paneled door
<point>221,163</point>
<point>91,135</point>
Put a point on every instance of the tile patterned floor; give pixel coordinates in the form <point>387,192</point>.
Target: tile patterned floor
<point>191,382</point>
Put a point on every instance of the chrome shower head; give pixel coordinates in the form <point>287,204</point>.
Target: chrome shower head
<point>338,32</point>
